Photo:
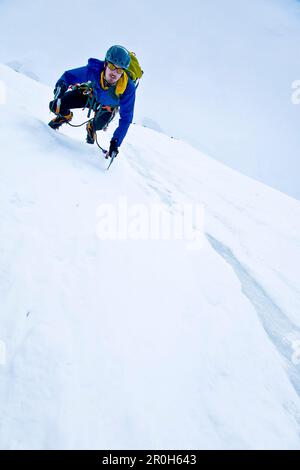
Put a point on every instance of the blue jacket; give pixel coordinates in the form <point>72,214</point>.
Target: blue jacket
<point>91,72</point>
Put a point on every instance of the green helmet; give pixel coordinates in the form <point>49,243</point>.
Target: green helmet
<point>119,56</point>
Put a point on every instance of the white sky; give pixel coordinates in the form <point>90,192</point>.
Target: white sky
<point>218,74</point>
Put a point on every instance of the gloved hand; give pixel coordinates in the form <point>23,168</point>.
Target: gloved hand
<point>85,88</point>
<point>113,148</point>
<point>60,89</point>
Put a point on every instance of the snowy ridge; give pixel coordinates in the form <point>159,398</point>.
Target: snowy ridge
<point>140,344</point>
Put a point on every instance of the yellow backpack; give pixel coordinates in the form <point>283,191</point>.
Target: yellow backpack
<point>134,70</point>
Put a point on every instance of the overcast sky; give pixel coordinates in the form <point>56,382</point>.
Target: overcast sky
<point>218,74</point>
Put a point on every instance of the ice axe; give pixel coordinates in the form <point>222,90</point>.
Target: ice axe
<point>113,156</point>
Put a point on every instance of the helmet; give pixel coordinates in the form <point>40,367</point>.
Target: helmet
<point>119,56</point>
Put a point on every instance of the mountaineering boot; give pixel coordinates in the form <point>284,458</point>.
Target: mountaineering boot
<point>59,120</point>
<point>91,133</point>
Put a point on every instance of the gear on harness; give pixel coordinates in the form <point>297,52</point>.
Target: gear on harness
<point>87,89</point>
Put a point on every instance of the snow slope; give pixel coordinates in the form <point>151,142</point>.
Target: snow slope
<point>140,343</point>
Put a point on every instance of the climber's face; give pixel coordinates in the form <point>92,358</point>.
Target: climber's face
<point>112,73</point>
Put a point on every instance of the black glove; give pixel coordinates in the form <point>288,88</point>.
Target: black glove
<point>60,89</point>
<point>113,148</point>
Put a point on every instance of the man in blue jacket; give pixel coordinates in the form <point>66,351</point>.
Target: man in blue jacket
<point>112,87</point>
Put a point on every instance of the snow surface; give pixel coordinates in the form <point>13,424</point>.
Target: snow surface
<point>125,344</point>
